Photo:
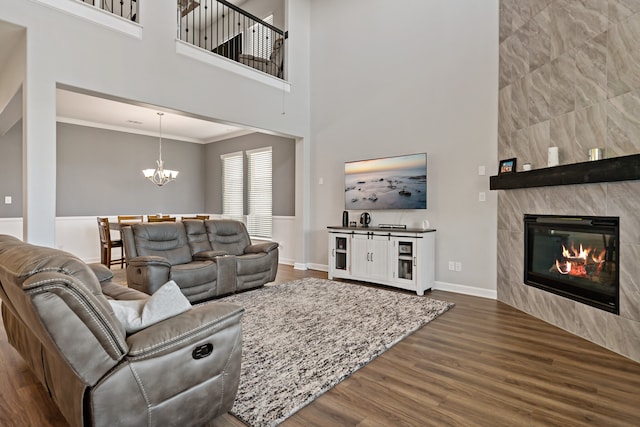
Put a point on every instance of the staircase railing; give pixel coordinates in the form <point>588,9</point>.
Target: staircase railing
<point>227,30</point>
<point>127,9</point>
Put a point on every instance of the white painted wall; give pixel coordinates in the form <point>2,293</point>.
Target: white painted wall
<point>362,83</point>
<point>83,54</point>
<point>421,79</point>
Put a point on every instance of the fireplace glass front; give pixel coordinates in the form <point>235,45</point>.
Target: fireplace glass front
<point>574,257</point>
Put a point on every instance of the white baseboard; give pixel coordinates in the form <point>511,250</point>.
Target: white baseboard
<point>318,267</point>
<point>466,290</point>
<point>441,286</point>
<point>300,266</point>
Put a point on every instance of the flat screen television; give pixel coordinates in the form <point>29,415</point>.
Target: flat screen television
<point>398,182</point>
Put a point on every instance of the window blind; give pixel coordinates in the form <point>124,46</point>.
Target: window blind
<point>259,218</point>
<point>259,40</point>
<point>233,185</point>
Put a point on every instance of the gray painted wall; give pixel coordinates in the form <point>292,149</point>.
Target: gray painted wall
<point>283,151</point>
<point>99,172</point>
<point>11,171</point>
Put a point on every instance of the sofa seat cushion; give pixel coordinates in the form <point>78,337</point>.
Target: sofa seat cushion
<point>194,273</point>
<point>253,263</point>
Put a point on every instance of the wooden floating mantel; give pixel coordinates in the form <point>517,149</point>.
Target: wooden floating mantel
<point>624,168</point>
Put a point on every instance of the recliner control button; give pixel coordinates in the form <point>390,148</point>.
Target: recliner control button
<point>203,350</point>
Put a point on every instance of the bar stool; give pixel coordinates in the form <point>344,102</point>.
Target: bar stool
<point>107,243</point>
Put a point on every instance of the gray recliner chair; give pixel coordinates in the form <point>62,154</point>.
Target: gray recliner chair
<point>273,65</point>
<point>256,264</point>
<point>180,371</point>
<point>159,252</point>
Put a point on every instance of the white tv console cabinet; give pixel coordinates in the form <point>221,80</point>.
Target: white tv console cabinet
<point>403,258</point>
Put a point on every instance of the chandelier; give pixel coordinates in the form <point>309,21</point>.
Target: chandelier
<point>160,176</point>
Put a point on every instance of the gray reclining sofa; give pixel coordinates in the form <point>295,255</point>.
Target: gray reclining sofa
<point>206,258</point>
<point>56,311</point>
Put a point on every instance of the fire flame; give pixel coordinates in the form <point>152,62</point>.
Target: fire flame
<point>580,262</point>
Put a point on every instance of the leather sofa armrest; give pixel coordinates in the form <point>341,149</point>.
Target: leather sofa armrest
<point>183,330</point>
<point>208,255</point>
<point>116,291</point>
<point>101,271</point>
<point>260,247</point>
<point>148,273</point>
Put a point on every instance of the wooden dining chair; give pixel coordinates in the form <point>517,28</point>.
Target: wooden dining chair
<point>195,217</point>
<point>107,244</point>
<point>163,218</point>
<point>130,219</point>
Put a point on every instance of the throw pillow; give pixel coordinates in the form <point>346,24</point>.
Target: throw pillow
<point>166,302</point>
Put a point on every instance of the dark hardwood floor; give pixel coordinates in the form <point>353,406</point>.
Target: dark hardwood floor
<point>483,363</point>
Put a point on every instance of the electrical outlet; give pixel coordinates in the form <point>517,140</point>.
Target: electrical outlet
<point>7,200</point>
<point>458,266</point>
<point>452,265</point>
<point>482,196</point>
<point>481,170</point>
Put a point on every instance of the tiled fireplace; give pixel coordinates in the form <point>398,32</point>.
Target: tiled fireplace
<point>575,257</point>
<point>569,78</point>
<point>618,332</point>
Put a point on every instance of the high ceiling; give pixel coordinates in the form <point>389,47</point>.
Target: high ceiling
<point>89,110</point>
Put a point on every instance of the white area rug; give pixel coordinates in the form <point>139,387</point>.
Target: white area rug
<point>303,337</point>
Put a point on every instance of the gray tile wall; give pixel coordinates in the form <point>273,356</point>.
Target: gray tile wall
<point>570,78</point>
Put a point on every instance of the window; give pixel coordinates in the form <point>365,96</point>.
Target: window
<point>259,39</point>
<point>259,218</point>
<point>233,185</point>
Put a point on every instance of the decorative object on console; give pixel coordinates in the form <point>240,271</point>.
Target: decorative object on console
<point>507,166</point>
<point>595,154</point>
<point>553,159</point>
<point>387,183</point>
<point>526,167</point>
<point>345,219</point>
<point>160,176</point>
<point>365,219</point>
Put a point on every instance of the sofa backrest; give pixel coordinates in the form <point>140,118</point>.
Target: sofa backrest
<point>164,239</point>
<point>227,235</point>
<point>54,297</point>
<point>197,235</point>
